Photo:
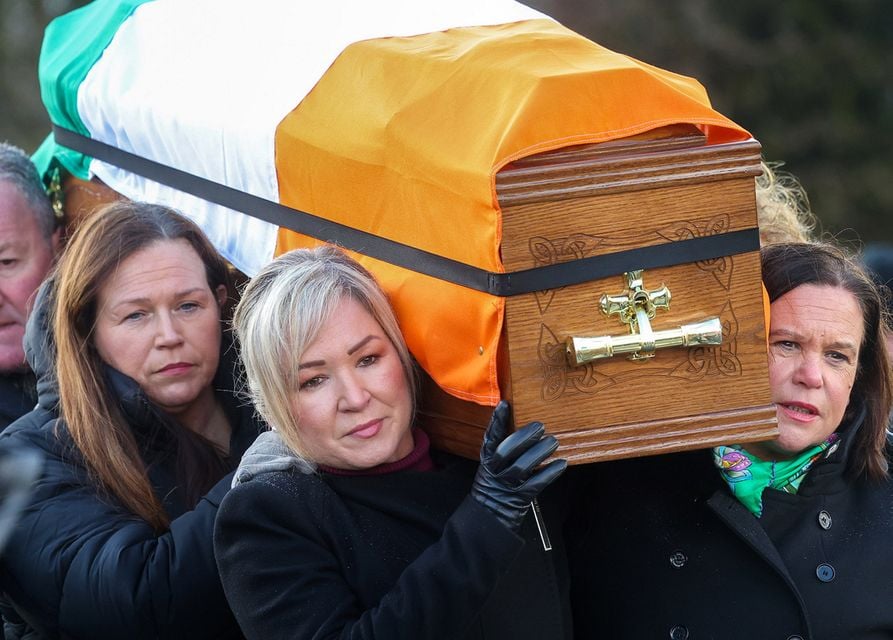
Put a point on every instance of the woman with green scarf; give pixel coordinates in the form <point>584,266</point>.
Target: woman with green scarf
<point>789,538</point>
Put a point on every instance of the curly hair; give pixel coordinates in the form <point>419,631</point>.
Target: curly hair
<point>783,210</point>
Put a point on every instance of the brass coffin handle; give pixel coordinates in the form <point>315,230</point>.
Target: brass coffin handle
<point>636,307</point>
<point>582,350</point>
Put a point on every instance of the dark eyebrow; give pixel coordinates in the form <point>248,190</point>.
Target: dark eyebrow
<point>180,294</point>
<point>350,352</point>
<point>788,333</point>
<point>360,344</point>
<point>843,345</point>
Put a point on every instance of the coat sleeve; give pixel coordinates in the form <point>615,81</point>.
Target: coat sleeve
<point>84,567</point>
<point>282,578</point>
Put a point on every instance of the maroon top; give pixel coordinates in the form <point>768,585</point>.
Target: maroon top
<point>419,459</point>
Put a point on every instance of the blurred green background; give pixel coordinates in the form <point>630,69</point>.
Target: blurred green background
<point>812,80</point>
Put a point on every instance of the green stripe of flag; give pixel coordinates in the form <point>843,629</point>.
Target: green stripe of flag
<point>71,46</point>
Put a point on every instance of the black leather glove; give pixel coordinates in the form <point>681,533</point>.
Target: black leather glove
<point>508,479</point>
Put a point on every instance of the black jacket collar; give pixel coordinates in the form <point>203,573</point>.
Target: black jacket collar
<point>829,475</point>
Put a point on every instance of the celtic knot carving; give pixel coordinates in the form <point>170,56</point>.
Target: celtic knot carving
<point>557,376</point>
<point>719,268</point>
<point>721,360</point>
<point>546,252</point>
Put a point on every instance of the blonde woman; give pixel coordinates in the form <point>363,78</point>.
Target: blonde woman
<point>365,531</point>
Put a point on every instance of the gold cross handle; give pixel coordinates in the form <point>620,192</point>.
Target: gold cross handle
<point>642,346</point>
<point>637,298</point>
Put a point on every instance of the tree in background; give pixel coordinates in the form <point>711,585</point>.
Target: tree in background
<point>813,82</point>
<point>23,119</point>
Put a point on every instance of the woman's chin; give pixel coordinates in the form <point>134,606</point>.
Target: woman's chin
<point>778,449</point>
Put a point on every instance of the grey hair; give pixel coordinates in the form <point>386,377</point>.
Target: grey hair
<point>282,310</point>
<point>17,169</point>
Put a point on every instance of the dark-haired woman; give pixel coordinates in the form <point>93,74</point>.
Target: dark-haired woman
<point>782,539</point>
<point>139,429</point>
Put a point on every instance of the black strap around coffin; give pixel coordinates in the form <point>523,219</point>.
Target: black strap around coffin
<point>515,283</point>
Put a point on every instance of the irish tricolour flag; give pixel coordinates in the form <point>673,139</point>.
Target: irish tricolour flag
<point>388,116</point>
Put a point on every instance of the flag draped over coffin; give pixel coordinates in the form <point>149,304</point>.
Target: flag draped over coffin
<point>392,117</point>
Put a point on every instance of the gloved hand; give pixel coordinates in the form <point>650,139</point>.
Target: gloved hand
<point>508,479</point>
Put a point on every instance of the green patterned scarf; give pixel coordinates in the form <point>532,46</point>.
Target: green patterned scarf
<point>748,476</point>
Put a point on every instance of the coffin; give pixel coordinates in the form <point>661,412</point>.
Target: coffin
<point>597,200</point>
<point>497,172</point>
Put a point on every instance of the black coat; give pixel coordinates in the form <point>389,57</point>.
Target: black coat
<point>17,397</point>
<point>664,550</point>
<point>399,555</point>
<point>80,565</point>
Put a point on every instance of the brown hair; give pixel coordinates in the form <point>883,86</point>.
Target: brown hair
<point>89,407</point>
<point>786,267</point>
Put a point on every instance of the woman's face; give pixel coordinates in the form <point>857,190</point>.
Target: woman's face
<point>814,341</point>
<point>353,402</point>
<point>159,323</point>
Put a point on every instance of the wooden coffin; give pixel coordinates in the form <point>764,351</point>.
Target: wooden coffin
<point>591,200</point>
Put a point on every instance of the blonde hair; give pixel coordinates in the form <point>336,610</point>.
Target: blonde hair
<point>282,310</point>
<point>783,211</point>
